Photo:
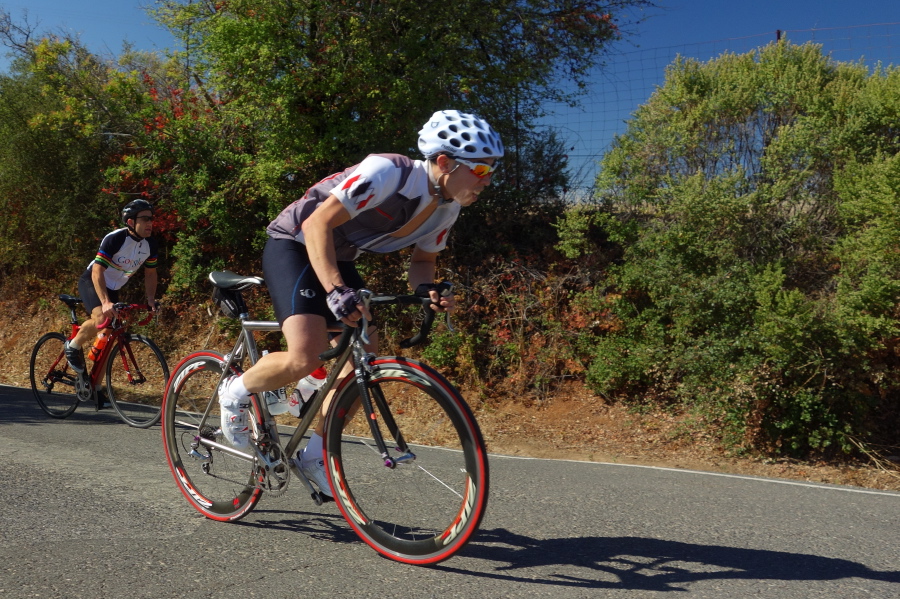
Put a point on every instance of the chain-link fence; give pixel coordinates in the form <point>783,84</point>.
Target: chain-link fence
<point>629,78</point>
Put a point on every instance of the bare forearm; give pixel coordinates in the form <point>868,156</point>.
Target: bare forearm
<point>150,282</point>
<point>421,271</point>
<point>320,247</point>
<point>318,234</point>
<point>99,281</point>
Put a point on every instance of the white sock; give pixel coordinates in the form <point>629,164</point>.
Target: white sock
<point>236,388</point>
<point>313,449</point>
<point>74,345</point>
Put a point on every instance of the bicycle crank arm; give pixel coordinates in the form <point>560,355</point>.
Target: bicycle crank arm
<point>317,497</point>
<point>267,464</point>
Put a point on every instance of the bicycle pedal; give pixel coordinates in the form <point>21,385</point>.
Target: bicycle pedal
<point>321,498</point>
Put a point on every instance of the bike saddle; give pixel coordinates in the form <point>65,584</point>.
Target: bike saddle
<point>225,279</point>
<point>70,300</point>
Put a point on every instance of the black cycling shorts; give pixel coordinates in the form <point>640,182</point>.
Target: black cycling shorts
<point>88,293</point>
<point>293,284</point>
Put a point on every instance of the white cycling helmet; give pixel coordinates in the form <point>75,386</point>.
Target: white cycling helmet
<point>459,134</point>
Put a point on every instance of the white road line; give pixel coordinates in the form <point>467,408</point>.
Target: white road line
<point>777,481</point>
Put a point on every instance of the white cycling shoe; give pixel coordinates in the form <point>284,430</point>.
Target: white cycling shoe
<point>314,470</point>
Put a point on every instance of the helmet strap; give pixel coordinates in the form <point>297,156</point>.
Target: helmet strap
<point>436,183</point>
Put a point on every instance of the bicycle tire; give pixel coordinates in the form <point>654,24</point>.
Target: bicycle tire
<point>418,512</point>
<point>53,381</point>
<point>218,485</point>
<point>136,378</point>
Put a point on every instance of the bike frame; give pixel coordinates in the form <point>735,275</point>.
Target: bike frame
<point>117,329</point>
<point>351,344</point>
<point>411,501</point>
<point>245,346</point>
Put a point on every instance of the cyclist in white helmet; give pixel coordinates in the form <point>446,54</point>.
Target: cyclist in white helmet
<point>383,204</point>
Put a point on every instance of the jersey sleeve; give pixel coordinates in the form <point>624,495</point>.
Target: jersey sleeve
<point>111,244</point>
<point>154,251</point>
<point>371,183</point>
<point>436,242</point>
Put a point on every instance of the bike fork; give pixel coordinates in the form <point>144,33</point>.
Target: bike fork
<point>132,370</point>
<point>389,422</point>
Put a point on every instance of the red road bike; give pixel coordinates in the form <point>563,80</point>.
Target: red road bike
<point>130,373</point>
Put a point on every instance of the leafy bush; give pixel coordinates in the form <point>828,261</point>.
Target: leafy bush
<point>755,201</point>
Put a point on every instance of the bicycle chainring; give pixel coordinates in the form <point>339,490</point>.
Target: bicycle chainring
<point>83,389</point>
<point>275,480</point>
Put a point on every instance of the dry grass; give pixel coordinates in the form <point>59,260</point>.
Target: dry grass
<point>571,423</point>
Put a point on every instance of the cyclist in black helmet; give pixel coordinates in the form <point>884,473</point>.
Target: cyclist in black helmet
<point>383,204</point>
<point>122,252</point>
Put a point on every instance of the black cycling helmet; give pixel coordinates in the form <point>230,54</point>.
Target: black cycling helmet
<point>133,208</point>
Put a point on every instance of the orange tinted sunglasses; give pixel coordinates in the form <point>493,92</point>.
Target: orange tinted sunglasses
<point>479,169</point>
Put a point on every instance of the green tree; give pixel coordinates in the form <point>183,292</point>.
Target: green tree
<point>56,140</point>
<point>308,87</point>
<point>269,96</point>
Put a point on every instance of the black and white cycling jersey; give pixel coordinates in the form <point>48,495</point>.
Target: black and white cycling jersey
<point>122,255</point>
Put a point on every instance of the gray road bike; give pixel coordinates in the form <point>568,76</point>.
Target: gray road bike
<point>404,455</point>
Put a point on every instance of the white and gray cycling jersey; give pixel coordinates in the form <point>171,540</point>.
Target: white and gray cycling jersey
<point>382,194</point>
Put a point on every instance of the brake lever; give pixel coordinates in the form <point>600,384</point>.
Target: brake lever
<point>445,289</point>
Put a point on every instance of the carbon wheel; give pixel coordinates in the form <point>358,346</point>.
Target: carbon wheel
<point>425,507</point>
<point>220,481</point>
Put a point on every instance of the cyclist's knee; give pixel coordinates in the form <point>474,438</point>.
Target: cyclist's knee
<point>300,364</point>
<point>88,328</point>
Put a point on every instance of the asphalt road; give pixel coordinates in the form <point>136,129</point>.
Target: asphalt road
<point>88,508</point>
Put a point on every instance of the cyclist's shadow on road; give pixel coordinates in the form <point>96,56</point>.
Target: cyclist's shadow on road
<point>319,526</point>
<point>646,564</point>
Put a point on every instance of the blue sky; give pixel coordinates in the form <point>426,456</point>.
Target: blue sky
<point>104,24</point>
<point>699,29</point>
<point>687,21</point>
<point>704,29</point>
